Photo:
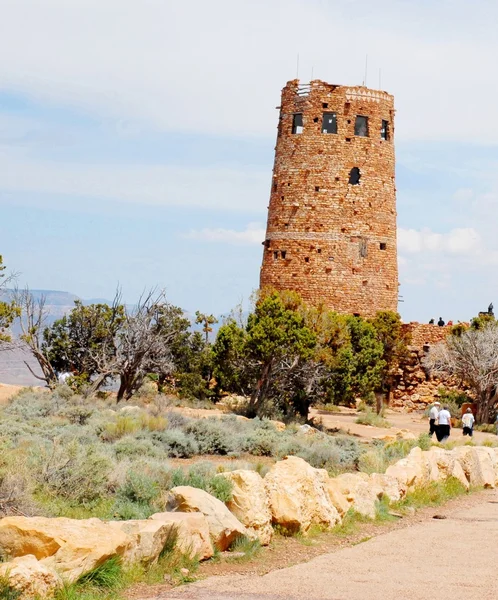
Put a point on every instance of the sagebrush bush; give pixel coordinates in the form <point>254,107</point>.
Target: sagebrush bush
<point>75,472</point>
<point>177,443</point>
<point>261,442</point>
<point>324,454</point>
<point>130,446</point>
<point>204,477</point>
<point>213,436</point>
<point>139,488</point>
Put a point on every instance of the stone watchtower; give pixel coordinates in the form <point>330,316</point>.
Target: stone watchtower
<point>331,232</point>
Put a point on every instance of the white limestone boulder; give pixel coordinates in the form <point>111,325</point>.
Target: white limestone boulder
<point>250,503</point>
<point>224,527</point>
<point>192,531</point>
<point>298,496</point>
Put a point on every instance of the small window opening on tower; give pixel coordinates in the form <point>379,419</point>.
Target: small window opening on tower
<point>315,120</point>
<point>348,139</point>
<point>363,248</point>
<point>317,188</point>
<point>286,224</point>
<point>267,244</point>
<point>354,176</point>
<point>275,255</point>
<point>319,250</point>
<point>365,282</point>
<point>361,126</point>
<point>384,130</point>
<point>383,245</point>
<point>283,253</point>
<point>325,105</point>
<point>297,123</point>
<point>329,122</point>
<point>307,259</point>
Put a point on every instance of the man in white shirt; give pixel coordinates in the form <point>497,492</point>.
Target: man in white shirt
<point>444,424</point>
<point>433,413</point>
<point>468,422</point>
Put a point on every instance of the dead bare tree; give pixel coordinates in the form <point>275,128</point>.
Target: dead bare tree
<point>472,357</point>
<point>143,344</point>
<point>33,319</point>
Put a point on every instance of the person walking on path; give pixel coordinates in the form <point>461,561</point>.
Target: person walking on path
<point>468,423</point>
<point>444,425</point>
<point>433,413</point>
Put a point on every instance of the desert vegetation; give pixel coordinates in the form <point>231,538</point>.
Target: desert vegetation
<point>66,455</point>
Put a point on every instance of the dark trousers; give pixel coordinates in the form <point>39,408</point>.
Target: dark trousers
<point>442,431</point>
<point>432,426</point>
<point>468,431</point>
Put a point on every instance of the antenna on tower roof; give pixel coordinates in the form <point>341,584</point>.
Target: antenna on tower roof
<point>366,70</point>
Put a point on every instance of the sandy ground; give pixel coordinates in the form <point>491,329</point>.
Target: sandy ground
<point>452,557</point>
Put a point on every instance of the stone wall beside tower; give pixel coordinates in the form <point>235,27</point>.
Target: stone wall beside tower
<point>331,232</point>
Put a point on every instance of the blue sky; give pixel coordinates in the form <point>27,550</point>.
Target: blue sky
<point>136,140</point>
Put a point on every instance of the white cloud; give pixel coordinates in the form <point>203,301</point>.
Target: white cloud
<point>229,189</point>
<point>461,241</point>
<point>217,67</point>
<point>253,234</point>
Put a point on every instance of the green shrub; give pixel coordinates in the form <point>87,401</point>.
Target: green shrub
<point>108,575</point>
<point>261,442</point>
<point>130,446</point>
<point>139,488</point>
<point>177,443</point>
<point>7,592</point>
<point>433,494</point>
<point>123,425</point>
<point>126,510</point>
<point>372,418</point>
<point>205,478</point>
<point>30,405</point>
<point>72,471</point>
<point>333,454</point>
<point>78,415</point>
<point>486,428</point>
<point>213,436</point>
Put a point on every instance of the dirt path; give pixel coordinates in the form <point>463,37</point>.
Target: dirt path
<point>413,422</point>
<point>453,557</point>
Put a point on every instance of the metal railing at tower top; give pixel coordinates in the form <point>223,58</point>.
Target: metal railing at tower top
<point>304,89</point>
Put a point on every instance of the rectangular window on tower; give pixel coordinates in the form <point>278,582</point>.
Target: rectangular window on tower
<point>329,122</point>
<point>384,131</point>
<point>297,123</point>
<point>361,126</point>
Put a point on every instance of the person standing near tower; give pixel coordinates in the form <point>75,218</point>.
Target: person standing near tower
<point>433,413</point>
<point>468,422</point>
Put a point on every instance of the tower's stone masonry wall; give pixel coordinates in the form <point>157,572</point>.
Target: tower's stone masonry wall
<point>422,334</point>
<point>333,242</point>
<point>415,389</point>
